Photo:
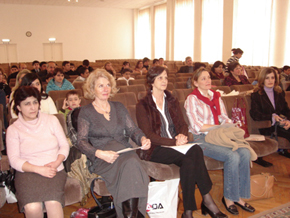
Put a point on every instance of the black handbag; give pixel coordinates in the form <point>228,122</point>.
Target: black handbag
<point>105,210</point>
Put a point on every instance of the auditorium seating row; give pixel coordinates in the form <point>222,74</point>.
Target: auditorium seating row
<point>173,66</point>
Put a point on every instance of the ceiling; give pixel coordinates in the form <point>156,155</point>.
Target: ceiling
<point>124,4</point>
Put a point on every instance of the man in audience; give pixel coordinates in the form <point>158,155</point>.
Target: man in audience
<point>188,68</point>
<point>51,65</point>
<point>285,75</point>
<point>36,67</point>
<point>85,64</point>
<point>66,69</point>
<point>13,73</point>
<point>42,65</point>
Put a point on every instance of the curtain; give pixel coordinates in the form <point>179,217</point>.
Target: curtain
<point>183,29</point>
<point>287,43</point>
<point>212,30</point>
<point>252,30</point>
<point>160,31</point>
<point>143,35</point>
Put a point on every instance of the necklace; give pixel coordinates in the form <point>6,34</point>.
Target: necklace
<point>96,105</point>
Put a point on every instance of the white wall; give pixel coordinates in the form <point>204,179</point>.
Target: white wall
<point>92,33</point>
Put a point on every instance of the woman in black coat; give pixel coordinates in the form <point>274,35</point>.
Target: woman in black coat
<point>268,103</point>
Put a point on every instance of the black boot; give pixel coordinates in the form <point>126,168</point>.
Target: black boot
<point>285,153</point>
<point>262,162</point>
<point>130,208</point>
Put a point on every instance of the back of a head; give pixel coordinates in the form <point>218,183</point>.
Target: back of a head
<point>86,62</point>
<point>198,65</point>
<point>286,67</point>
<point>237,51</point>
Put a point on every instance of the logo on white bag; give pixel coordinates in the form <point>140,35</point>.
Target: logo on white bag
<point>154,207</point>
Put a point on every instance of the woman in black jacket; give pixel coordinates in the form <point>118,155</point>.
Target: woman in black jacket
<point>268,103</point>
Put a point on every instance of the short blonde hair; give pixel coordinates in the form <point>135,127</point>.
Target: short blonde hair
<point>89,86</point>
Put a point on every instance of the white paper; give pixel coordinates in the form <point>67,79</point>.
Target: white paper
<point>127,149</point>
<point>182,148</point>
<point>255,137</point>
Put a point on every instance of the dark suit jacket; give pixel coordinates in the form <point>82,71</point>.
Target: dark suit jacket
<point>262,108</point>
<point>186,69</point>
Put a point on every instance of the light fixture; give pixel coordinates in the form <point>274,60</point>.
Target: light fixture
<point>76,0</point>
<point>51,40</point>
<point>6,41</point>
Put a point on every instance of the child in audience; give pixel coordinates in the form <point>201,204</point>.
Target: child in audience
<point>84,73</point>
<point>71,101</point>
<point>58,82</point>
<point>139,68</point>
<point>126,75</point>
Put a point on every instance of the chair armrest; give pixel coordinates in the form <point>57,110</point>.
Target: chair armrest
<point>256,125</point>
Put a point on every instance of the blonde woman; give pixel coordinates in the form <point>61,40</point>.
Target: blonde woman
<point>103,128</point>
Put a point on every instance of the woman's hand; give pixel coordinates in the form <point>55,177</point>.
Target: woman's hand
<point>146,143</point>
<point>46,171</point>
<point>54,164</point>
<point>108,156</point>
<point>181,139</point>
<point>287,124</point>
<point>277,118</point>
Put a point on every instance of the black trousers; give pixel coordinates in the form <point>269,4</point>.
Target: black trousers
<point>192,171</point>
<point>281,132</point>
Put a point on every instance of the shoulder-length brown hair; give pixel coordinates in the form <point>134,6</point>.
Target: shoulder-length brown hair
<point>261,80</point>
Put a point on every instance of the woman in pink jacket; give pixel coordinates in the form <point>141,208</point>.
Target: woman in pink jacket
<point>36,148</point>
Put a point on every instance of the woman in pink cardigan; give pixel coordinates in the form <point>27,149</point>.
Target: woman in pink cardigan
<point>36,148</point>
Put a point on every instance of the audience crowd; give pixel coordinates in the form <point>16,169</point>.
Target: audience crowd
<point>37,146</point>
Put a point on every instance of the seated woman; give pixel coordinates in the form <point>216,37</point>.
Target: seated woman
<point>268,103</point>
<point>47,104</point>
<point>37,155</point>
<point>204,109</point>
<point>139,68</point>
<point>160,118</point>
<point>109,68</point>
<point>103,129</point>
<point>217,70</point>
<point>235,77</point>
<point>58,82</point>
